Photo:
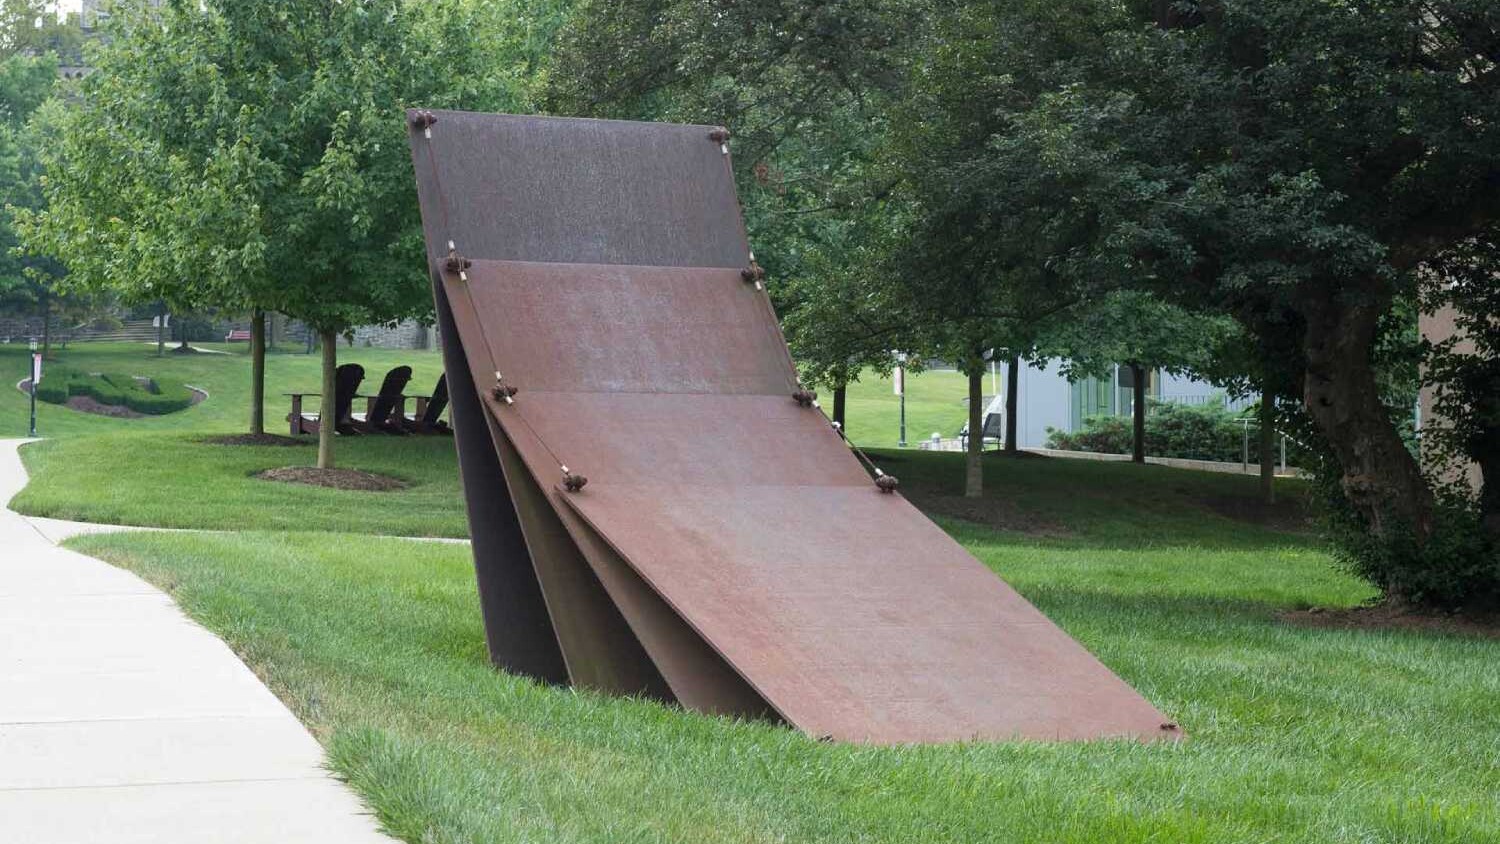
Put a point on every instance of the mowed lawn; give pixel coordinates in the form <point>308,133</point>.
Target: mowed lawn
<point>226,378</point>
<point>936,402</point>
<point>158,471</point>
<point>1296,734</point>
<point>1174,578</point>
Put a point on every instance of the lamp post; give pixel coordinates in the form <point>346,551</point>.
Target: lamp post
<point>901,391</point>
<point>36,375</point>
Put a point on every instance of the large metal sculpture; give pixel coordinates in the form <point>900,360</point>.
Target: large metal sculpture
<point>656,505</point>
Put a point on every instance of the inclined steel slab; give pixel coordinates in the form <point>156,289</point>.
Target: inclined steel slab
<point>746,549</point>
<point>860,620</point>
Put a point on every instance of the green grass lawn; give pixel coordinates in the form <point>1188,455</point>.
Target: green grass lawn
<point>1173,578</point>
<point>225,377</point>
<point>1297,735</point>
<point>179,481</point>
<point>935,401</point>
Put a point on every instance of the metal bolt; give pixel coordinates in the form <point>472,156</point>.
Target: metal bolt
<point>719,135</point>
<point>887,484</point>
<point>754,273</point>
<point>805,397</point>
<point>424,120</point>
<point>456,263</point>
<point>504,392</point>
<point>573,482</point>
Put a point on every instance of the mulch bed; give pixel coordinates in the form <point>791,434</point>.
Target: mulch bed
<point>1395,617</point>
<point>256,439</point>
<point>351,479</point>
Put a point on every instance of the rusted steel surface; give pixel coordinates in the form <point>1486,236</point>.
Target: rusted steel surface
<point>755,565</point>
<point>592,328</point>
<point>859,619</point>
<point>517,628</point>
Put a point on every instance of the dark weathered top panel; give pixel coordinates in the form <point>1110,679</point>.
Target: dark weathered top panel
<point>523,188</point>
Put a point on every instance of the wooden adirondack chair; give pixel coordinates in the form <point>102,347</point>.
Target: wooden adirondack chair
<point>346,385</point>
<point>429,411</point>
<point>387,410</point>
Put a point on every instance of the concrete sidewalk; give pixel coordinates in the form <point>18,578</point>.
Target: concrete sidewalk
<point>123,721</point>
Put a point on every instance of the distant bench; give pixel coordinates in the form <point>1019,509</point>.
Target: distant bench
<point>238,335</point>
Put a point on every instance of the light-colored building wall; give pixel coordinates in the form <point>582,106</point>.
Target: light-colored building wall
<point>1045,398</point>
<point>1439,327</point>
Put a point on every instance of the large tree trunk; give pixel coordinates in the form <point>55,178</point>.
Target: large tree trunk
<point>840,394</point>
<point>974,467</point>
<point>1267,447</point>
<point>1138,412</point>
<point>258,372</point>
<point>326,415</point>
<point>1012,400</point>
<point>1380,478</point>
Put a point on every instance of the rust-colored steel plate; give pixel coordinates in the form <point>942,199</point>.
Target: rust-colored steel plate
<point>751,558</point>
<point>858,619</point>
<point>518,630</point>
<point>592,328</point>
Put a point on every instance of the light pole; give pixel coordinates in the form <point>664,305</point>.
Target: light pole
<point>36,375</point>
<point>901,391</point>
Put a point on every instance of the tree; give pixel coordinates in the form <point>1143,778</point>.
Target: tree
<point>1466,429</point>
<point>803,88</point>
<point>36,28</point>
<point>1318,157</point>
<point>992,244</point>
<point>1143,334</point>
<point>253,157</point>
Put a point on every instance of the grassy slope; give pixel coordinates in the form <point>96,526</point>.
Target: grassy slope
<point>935,401</point>
<point>154,472</point>
<point>176,481</point>
<point>1297,735</point>
<point>225,377</point>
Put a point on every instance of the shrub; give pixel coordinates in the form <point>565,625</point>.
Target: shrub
<point>156,400</point>
<point>115,389</point>
<point>54,388</point>
<point>1191,432</point>
<point>1457,567</point>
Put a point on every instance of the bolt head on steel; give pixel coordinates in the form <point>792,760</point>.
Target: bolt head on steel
<point>719,135</point>
<point>805,397</point>
<point>423,119</point>
<point>887,484</point>
<point>573,482</point>
<point>504,392</point>
<point>754,272</point>
<point>457,263</point>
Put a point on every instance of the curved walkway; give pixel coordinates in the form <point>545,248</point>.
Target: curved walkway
<point>123,721</point>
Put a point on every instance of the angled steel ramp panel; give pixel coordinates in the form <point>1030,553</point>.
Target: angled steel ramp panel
<point>754,567</point>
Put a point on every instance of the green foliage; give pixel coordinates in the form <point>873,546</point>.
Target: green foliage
<point>114,389</point>
<point>52,390</point>
<point>804,88</point>
<point>25,83</point>
<point>236,154</point>
<point>1192,432</point>
<point>1457,566</point>
<point>158,399</point>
